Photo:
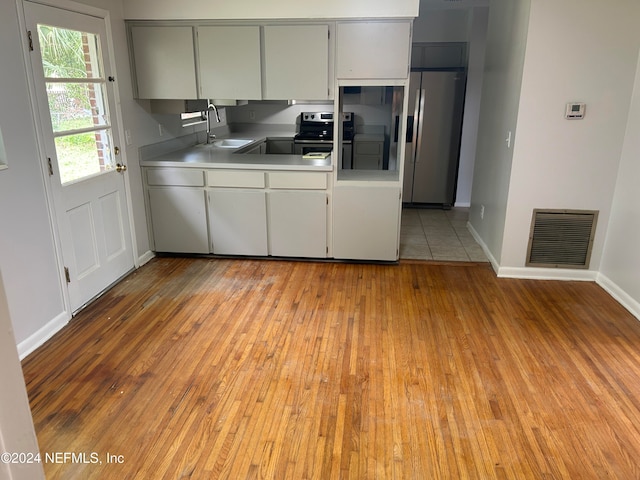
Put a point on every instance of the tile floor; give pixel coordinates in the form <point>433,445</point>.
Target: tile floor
<point>435,234</point>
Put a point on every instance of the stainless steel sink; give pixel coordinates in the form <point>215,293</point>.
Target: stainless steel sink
<point>232,143</point>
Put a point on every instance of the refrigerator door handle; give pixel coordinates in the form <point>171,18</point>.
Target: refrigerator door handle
<point>418,125</point>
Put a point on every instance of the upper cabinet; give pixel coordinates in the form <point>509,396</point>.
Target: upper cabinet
<point>296,62</point>
<point>262,60</point>
<point>229,61</point>
<point>164,60</point>
<point>236,62</point>
<point>373,50</point>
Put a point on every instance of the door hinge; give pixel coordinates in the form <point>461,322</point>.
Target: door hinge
<point>66,274</point>
<point>50,166</point>
<point>30,40</point>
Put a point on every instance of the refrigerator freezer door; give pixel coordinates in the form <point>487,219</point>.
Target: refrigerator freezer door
<point>436,157</point>
<point>412,135</point>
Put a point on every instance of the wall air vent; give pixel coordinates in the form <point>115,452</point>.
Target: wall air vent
<point>561,238</point>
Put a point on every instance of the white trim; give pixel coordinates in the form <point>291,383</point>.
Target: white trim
<point>622,297</point>
<point>145,258</point>
<point>494,263</point>
<point>35,114</point>
<point>71,6</point>
<point>462,205</point>
<point>43,334</point>
<point>535,273</point>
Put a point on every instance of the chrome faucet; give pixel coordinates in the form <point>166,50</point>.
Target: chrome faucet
<point>210,107</point>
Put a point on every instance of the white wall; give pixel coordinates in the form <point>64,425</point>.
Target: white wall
<point>250,9</point>
<point>27,258</point>
<point>441,25</point>
<point>620,266</point>
<point>558,163</point>
<point>16,426</point>
<point>478,21</point>
<point>502,81</point>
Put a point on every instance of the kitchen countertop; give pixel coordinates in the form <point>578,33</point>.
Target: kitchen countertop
<point>210,156</point>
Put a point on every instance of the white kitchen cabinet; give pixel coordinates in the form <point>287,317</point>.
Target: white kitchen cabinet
<point>164,62</point>
<point>229,62</point>
<point>177,207</point>
<point>297,220</point>
<point>368,152</point>
<point>238,221</point>
<point>373,50</point>
<point>296,62</point>
<point>179,219</point>
<point>366,221</point>
<point>298,223</point>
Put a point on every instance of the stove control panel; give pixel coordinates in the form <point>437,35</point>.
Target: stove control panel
<point>324,117</point>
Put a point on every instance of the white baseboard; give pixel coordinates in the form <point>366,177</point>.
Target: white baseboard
<point>145,257</point>
<point>622,297</point>
<point>494,263</point>
<point>462,204</point>
<point>536,273</point>
<point>45,333</point>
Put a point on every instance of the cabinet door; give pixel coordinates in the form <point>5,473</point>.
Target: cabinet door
<point>164,62</point>
<point>179,219</point>
<point>366,222</point>
<point>296,62</point>
<point>238,221</point>
<point>229,61</point>
<point>298,224</point>
<point>373,49</point>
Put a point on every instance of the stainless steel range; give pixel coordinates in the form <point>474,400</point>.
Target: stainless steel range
<point>316,135</point>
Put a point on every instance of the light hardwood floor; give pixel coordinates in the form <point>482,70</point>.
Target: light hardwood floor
<point>234,369</point>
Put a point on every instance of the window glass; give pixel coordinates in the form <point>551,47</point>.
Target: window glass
<point>76,92</point>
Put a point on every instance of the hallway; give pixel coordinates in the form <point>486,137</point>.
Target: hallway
<point>435,234</point>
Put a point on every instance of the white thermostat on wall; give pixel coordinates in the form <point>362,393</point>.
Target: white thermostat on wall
<point>575,111</point>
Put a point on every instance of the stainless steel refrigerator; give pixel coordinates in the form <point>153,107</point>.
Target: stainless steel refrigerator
<point>436,102</point>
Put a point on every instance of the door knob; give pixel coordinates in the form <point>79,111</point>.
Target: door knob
<point>120,167</point>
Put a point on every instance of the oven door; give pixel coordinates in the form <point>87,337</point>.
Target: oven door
<point>302,147</point>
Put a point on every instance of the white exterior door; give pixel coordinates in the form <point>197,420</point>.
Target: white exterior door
<point>74,87</point>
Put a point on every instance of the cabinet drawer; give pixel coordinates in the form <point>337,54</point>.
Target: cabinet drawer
<point>183,177</point>
<point>298,180</point>
<point>232,178</point>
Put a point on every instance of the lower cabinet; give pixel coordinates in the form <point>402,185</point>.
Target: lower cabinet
<point>239,212</point>
<point>297,223</point>
<point>179,219</point>
<point>238,221</point>
<point>366,222</point>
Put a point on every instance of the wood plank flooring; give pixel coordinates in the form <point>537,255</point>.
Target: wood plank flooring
<point>232,369</point>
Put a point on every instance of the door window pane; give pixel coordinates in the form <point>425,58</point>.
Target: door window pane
<point>83,154</point>
<point>69,53</point>
<point>76,105</point>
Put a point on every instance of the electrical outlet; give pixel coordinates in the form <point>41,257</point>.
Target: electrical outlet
<point>127,137</point>
<point>252,115</point>
<point>508,139</point>
<point>161,129</point>
<point>481,212</point>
